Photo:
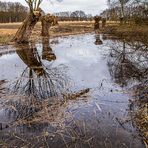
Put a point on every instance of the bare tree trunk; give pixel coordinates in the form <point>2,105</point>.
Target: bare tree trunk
<point>103,23</point>
<point>24,32</point>
<point>48,21</point>
<point>45,26</point>
<point>122,12</point>
<point>97,22</point>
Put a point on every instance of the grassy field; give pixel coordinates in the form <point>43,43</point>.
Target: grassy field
<point>8,30</point>
<point>128,31</point>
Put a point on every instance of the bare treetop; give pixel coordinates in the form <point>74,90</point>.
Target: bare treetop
<point>34,4</point>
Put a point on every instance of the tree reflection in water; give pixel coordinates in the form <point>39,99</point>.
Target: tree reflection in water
<point>38,85</point>
<point>98,39</point>
<point>37,79</point>
<point>127,64</point>
<point>47,53</point>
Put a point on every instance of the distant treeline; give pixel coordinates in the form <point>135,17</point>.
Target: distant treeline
<point>12,12</point>
<point>16,12</point>
<point>74,16</point>
<point>134,11</point>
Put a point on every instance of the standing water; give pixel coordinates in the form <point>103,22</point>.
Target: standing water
<point>74,93</point>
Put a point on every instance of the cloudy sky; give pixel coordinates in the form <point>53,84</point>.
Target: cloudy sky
<point>89,6</point>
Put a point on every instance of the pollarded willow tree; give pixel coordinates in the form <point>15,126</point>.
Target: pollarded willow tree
<point>35,14</point>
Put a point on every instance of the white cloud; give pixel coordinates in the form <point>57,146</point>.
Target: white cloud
<point>89,6</point>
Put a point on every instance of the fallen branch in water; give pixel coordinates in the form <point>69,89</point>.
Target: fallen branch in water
<point>75,95</point>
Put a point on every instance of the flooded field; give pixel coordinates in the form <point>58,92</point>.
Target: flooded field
<point>73,92</point>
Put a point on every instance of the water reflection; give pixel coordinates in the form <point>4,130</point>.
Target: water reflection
<point>29,55</point>
<point>95,120</point>
<point>98,39</point>
<point>37,79</point>
<point>126,64</point>
<point>47,53</point>
<point>38,85</point>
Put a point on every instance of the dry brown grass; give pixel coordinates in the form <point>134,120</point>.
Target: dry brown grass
<point>140,111</point>
<point>8,30</point>
<point>142,122</point>
<point>130,32</point>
